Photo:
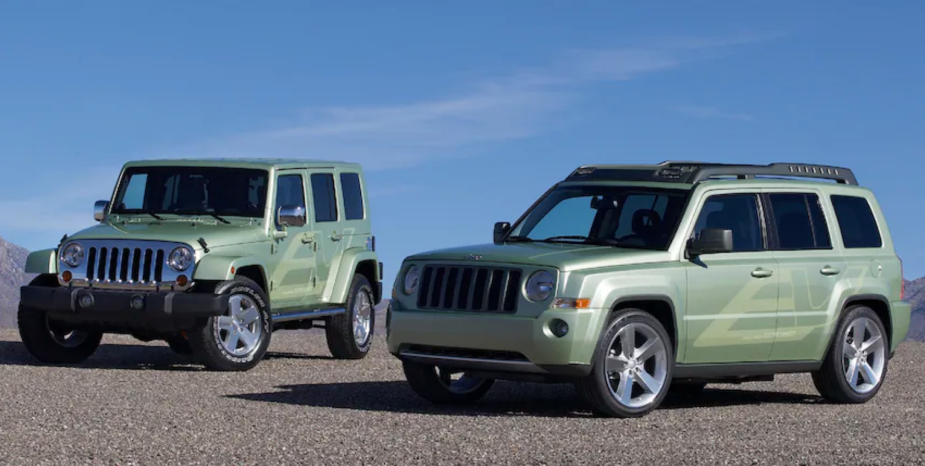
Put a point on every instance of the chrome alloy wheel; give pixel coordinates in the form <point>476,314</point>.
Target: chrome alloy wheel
<point>637,365</point>
<point>362,318</point>
<point>863,355</point>
<point>240,331</point>
<point>460,383</point>
<point>66,337</point>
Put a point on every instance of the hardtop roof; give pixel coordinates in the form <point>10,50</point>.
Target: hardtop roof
<point>260,163</point>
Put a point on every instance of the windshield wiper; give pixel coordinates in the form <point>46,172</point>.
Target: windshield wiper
<point>158,217</point>
<point>584,239</point>
<point>565,237</point>
<point>516,239</point>
<point>209,212</point>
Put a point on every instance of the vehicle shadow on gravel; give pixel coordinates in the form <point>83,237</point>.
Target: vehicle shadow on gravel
<point>505,399</point>
<point>108,356</point>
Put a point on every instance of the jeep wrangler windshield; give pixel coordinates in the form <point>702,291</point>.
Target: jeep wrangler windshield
<point>219,191</point>
<point>643,218</point>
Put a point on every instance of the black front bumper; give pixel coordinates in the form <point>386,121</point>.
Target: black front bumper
<point>108,310</point>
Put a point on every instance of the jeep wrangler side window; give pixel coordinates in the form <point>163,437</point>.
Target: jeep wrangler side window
<point>799,221</point>
<point>736,212</point>
<point>325,197</point>
<point>857,223</point>
<point>353,196</point>
<point>290,191</point>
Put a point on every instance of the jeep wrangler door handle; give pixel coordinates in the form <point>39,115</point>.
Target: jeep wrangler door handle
<point>335,237</point>
<point>308,239</point>
<point>762,273</point>
<point>827,270</point>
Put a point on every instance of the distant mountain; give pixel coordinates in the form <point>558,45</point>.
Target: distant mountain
<point>915,294</point>
<point>12,264</point>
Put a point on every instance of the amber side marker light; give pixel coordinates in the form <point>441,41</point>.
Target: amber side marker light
<point>66,276</point>
<point>182,280</point>
<point>570,303</point>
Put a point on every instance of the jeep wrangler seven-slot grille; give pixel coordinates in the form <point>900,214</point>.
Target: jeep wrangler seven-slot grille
<point>125,265</point>
<point>461,288</point>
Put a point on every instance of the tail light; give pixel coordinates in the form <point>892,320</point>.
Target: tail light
<point>902,274</point>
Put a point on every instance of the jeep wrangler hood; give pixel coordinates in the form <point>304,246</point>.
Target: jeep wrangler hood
<point>175,231</point>
<point>562,256</point>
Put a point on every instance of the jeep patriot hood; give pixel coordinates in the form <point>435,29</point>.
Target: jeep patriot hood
<point>562,256</point>
<point>187,232</point>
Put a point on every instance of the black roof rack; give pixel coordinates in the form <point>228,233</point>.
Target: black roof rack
<point>696,172</point>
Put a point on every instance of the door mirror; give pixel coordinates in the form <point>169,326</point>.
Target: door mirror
<point>291,216</point>
<point>99,210</point>
<point>501,230</point>
<point>711,241</point>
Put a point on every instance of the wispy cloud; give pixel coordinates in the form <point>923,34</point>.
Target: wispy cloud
<point>519,104</point>
<point>698,111</point>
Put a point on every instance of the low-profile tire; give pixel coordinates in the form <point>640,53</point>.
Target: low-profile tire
<point>439,386</point>
<point>633,366</point>
<point>180,345</point>
<point>52,343</point>
<point>855,367</point>
<point>350,335</point>
<point>237,340</point>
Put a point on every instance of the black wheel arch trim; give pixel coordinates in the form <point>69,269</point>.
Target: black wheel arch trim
<point>645,297</point>
<point>852,300</point>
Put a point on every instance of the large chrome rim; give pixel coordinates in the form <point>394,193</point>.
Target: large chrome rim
<point>637,365</point>
<point>362,317</point>
<point>457,382</point>
<point>240,331</point>
<point>863,355</point>
<point>65,337</point>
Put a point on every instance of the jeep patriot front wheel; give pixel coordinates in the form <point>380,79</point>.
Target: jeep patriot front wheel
<point>633,366</point>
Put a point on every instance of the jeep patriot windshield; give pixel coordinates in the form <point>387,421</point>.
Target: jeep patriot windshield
<point>630,217</point>
<point>213,191</point>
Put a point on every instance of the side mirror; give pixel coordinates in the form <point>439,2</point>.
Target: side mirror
<point>99,210</point>
<point>501,230</point>
<point>711,241</point>
<point>291,216</point>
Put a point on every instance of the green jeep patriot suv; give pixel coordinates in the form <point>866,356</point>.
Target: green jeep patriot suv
<point>633,281</point>
<point>212,256</point>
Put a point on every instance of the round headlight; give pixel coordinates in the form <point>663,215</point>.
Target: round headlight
<point>180,259</point>
<point>540,286</point>
<point>412,278</point>
<point>73,255</point>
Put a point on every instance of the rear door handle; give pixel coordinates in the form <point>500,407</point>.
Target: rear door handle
<point>762,273</point>
<point>827,270</point>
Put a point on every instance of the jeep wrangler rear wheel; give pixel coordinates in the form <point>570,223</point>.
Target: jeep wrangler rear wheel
<point>53,343</point>
<point>634,361</point>
<point>445,386</point>
<point>237,340</point>
<point>350,335</point>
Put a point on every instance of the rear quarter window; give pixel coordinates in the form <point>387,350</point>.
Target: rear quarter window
<point>856,222</point>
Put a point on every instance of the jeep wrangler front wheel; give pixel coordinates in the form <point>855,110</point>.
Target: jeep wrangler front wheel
<point>237,340</point>
<point>350,335</point>
<point>53,343</point>
<point>444,386</point>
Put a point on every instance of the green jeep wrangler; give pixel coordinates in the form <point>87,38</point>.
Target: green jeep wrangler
<point>633,281</point>
<point>212,256</point>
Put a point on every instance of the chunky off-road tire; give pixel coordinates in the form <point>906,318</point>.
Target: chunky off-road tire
<point>350,335</point>
<point>180,345</point>
<point>237,340</point>
<point>444,387</point>
<point>855,368</point>
<point>633,366</point>
<point>51,343</point>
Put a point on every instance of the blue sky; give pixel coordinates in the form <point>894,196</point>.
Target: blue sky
<point>462,112</point>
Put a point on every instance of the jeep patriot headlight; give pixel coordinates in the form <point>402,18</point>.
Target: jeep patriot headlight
<point>180,259</point>
<point>73,255</point>
<point>412,277</point>
<point>540,286</point>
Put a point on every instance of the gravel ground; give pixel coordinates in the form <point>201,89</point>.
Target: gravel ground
<point>136,403</point>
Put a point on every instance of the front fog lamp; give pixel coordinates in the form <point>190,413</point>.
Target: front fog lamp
<point>540,286</point>
<point>412,278</point>
<point>180,259</point>
<point>73,255</point>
